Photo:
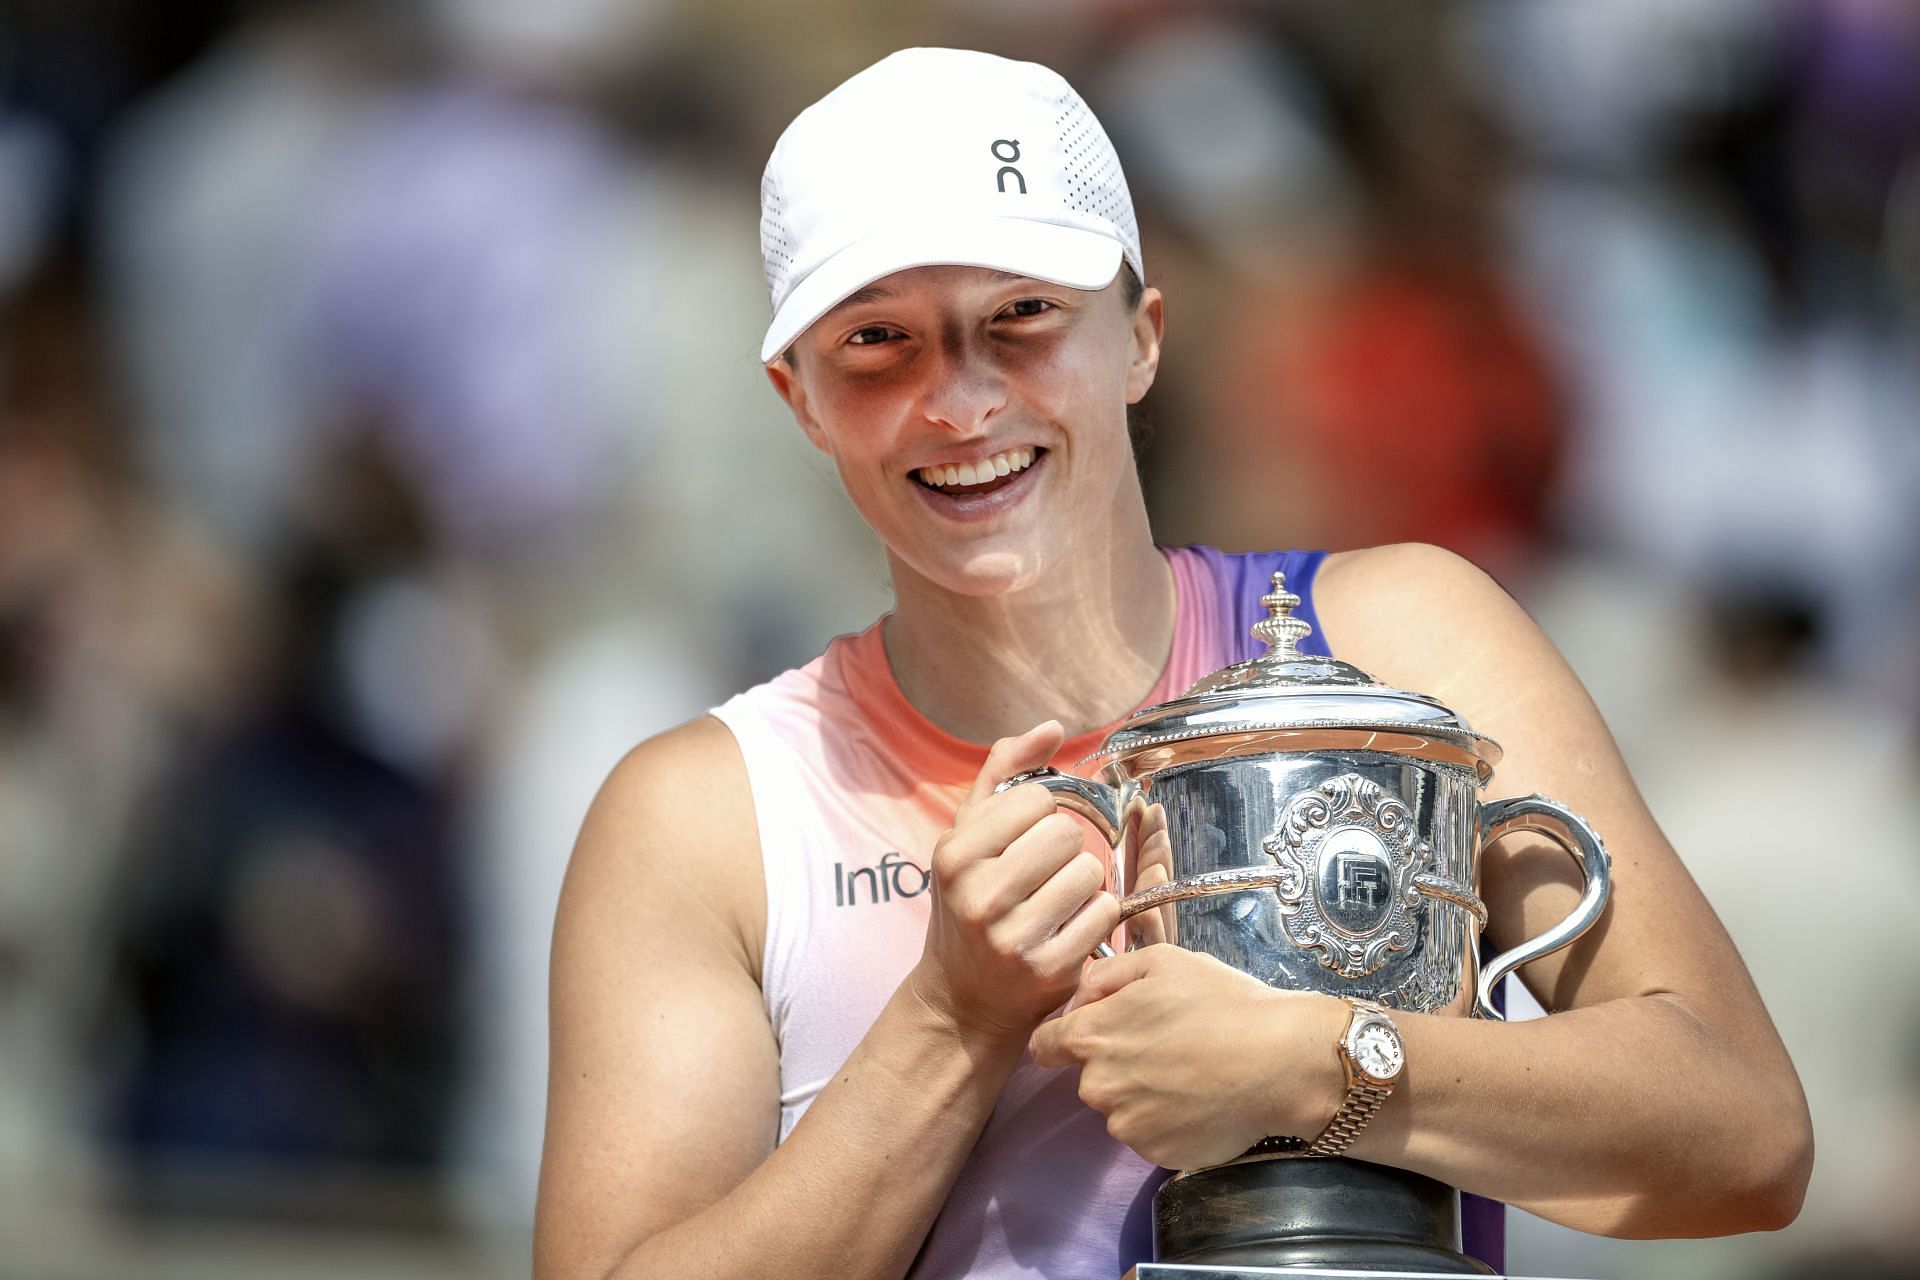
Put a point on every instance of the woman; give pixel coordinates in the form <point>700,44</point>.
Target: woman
<point>804,943</point>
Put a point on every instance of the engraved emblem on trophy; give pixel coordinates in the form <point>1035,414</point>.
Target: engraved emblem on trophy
<point>1348,851</point>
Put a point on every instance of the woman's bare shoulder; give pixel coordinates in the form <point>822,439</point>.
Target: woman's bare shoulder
<point>1414,610</point>
<point>671,834</point>
<point>696,762</point>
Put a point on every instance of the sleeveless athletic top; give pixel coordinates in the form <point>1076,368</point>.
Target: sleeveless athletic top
<point>851,787</point>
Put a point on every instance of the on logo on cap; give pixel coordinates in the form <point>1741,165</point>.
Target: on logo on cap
<point>1007,163</point>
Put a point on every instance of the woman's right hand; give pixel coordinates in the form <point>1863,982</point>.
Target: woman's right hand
<point>1019,902</point>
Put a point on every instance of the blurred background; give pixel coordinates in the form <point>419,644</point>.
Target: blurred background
<point>383,452</point>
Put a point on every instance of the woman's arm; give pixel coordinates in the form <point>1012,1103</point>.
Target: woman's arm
<point>664,1084</point>
<point>1657,1101</point>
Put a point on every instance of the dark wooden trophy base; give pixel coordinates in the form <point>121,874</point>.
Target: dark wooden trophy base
<point>1295,1213</point>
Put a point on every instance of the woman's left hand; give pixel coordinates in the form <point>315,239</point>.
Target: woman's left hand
<point>1191,1061</point>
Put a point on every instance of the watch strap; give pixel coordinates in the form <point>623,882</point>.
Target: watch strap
<point>1361,1102</point>
<point>1363,1096</point>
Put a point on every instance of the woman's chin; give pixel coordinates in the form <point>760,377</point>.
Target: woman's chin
<point>984,571</point>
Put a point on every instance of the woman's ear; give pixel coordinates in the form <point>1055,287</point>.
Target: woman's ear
<point>1149,327</point>
<point>786,383</point>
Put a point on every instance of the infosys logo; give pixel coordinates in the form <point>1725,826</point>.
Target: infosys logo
<point>893,877</point>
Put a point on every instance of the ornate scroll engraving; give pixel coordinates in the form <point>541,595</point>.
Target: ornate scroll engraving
<point>1422,991</point>
<point>1348,852</point>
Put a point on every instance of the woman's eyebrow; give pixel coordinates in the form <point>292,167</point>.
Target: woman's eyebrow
<point>878,292</point>
<point>872,293</point>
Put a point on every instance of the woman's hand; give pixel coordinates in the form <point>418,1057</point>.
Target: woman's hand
<point>1191,1061</point>
<point>1019,903</point>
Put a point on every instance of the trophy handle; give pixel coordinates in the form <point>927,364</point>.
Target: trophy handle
<point>1095,801</point>
<point>1582,843</point>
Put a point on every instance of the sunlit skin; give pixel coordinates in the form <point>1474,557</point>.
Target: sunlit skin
<point>943,364</point>
<point>938,363</point>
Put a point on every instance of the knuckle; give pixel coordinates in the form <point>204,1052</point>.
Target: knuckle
<point>1032,798</point>
<point>1002,941</point>
<point>1040,959</point>
<point>970,910</point>
<point>1076,1041</point>
<point>1026,803</point>
<point>1060,830</point>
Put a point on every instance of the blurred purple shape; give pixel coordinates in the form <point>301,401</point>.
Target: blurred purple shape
<point>446,305</point>
<point>1859,61</point>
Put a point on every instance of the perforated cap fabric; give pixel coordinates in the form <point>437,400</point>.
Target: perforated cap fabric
<point>940,157</point>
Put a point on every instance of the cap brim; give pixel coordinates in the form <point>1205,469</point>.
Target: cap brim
<point>1072,256</point>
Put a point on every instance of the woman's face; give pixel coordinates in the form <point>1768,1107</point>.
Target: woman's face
<point>977,418</point>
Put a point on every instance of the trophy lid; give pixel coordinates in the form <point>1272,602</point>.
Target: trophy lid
<point>1285,700</point>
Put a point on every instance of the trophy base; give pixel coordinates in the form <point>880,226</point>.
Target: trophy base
<point>1290,1212</point>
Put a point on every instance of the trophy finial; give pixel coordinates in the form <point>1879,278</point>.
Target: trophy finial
<point>1280,629</point>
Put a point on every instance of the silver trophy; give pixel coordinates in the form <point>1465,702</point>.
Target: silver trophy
<point>1320,831</point>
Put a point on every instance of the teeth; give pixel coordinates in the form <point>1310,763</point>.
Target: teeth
<point>1000,464</point>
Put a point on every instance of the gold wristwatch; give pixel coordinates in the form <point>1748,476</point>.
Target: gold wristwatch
<point>1373,1055</point>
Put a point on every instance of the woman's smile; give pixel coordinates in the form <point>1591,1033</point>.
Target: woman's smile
<point>980,491</point>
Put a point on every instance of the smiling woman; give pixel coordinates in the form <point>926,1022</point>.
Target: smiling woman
<point>943,368</point>
<point>750,1077</point>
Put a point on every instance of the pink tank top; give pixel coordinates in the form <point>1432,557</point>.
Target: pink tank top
<point>851,787</point>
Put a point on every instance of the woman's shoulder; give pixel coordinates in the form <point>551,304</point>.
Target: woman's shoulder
<point>1410,563</point>
<point>678,809</point>
<point>1423,617</point>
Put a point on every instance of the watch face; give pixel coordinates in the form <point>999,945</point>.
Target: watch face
<point>1377,1050</point>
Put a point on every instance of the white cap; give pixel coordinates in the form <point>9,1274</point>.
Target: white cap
<point>939,157</point>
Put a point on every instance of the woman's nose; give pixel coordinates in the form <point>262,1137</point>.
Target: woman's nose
<point>965,386</point>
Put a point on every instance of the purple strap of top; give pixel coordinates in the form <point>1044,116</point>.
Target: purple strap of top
<point>1243,580</point>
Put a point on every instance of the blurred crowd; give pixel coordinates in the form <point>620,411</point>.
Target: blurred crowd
<point>383,452</point>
